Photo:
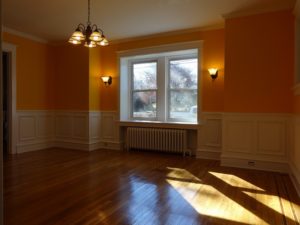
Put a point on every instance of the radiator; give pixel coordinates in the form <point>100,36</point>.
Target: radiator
<point>156,139</point>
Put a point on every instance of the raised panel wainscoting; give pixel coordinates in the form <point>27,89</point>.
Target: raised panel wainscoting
<point>210,136</point>
<point>35,130</point>
<point>80,130</point>
<point>256,141</point>
<point>295,154</point>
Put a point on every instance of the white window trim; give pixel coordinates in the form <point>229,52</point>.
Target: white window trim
<point>124,107</point>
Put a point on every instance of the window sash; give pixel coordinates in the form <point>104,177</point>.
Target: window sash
<point>163,89</point>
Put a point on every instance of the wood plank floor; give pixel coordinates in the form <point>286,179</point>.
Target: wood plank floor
<point>71,187</point>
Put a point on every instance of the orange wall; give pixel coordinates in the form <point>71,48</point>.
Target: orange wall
<point>297,104</point>
<point>259,63</point>
<point>95,82</point>
<point>213,56</point>
<point>72,78</point>
<point>34,73</point>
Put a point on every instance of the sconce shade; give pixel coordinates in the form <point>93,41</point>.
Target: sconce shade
<point>213,73</point>
<point>107,80</point>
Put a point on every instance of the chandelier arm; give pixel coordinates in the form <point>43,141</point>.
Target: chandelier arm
<point>94,27</point>
<point>81,27</point>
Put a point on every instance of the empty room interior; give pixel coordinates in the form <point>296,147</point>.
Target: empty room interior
<point>156,112</point>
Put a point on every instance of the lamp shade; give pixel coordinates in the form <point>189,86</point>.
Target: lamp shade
<point>107,80</point>
<point>74,41</point>
<point>212,71</point>
<point>90,44</point>
<point>95,36</point>
<point>78,35</point>
<point>104,41</point>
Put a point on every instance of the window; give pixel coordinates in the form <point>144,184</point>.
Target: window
<point>144,90</point>
<point>183,88</point>
<point>160,86</point>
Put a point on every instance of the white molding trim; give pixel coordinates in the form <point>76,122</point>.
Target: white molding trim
<point>166,34</point>
<point>12,50</point>
<point>162,48</point>
<point>274,166</point>
<point>24,35</point>
<point>296,89</point>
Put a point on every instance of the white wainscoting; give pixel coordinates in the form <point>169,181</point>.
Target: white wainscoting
<point>72,130</point>
<point>80,130</point>
<point>256,141</point>
<point>295,154</point>
<point>35,130</point>
<point>210,136</point>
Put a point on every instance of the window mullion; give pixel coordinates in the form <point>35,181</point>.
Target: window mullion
<point>161,102</point>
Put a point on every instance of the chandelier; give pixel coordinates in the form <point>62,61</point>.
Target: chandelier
<point>90,34</point>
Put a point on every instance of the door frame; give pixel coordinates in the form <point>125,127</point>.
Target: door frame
<point>12,122</point>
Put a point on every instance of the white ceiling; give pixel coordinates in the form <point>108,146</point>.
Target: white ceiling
<point>55,20</point>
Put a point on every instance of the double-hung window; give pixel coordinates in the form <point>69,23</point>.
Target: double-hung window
<point>183,89</point>
<point>160,86</point>
<point>144,90</point>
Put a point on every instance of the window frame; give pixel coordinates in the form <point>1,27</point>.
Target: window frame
<point>141,54</point>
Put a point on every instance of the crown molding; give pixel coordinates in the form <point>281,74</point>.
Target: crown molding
<point>253,12</point>
<point>24,35</point>
<point>165,34</point>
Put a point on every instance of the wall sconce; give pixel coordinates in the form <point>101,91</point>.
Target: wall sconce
<point>107,80</point>
<point>213,73</point>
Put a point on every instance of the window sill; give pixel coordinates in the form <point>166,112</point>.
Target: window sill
<point>159,124</point>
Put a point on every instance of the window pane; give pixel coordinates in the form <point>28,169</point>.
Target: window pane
<point>144,76</point>
<point>144,104</point>
<point>183,105</point>
<point>183,73</point>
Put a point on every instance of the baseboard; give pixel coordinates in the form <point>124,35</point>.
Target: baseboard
<point>29,147</point>
<point>295,177</point>
<point>112,145</point>
<point>281,167</point>
<point>72,145</point>
<point>208,154</point>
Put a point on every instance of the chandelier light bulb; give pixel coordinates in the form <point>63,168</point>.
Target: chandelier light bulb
<point>91,34</point>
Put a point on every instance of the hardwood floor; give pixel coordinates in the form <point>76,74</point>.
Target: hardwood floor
<point>69,187</point>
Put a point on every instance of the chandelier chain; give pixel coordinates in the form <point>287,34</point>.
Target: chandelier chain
<point>89,12</point>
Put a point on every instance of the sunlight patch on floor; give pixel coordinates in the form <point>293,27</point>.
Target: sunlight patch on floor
<point>273,202</point>
<point>207,200</point>
<point>179,173</point>
<point>236,181</point>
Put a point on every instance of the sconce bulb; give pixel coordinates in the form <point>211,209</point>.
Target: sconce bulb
<point>213,73</point>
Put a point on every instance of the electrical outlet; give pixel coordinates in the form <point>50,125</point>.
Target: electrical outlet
<point>251,163</point>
